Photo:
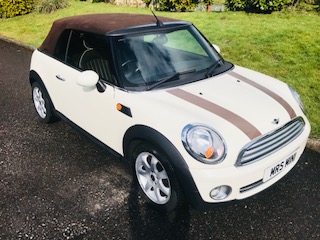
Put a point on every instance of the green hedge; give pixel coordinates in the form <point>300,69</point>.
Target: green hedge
<point>306,5</point>
<point>12,8</point>
<point>259,6</point>
<point>176,5</point>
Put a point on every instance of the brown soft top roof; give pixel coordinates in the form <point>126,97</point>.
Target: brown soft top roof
<point>96,23</point>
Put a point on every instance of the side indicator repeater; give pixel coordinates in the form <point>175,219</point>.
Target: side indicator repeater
<point>119,107</point>
<point>124,109</point>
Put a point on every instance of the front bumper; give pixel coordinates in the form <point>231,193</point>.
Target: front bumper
<point>248,180</point>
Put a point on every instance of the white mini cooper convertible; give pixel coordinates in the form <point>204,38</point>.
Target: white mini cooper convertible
<point>155,92</point>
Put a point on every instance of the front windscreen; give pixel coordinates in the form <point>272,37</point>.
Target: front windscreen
<point>147,60</point>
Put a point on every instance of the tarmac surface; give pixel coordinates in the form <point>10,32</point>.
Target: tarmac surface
<point>56,184</point>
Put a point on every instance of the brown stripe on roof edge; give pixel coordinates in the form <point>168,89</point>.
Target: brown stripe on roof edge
<point>246,127</point>
<point>267,91</point>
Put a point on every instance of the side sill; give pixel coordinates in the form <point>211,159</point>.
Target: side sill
<point>89,136</point>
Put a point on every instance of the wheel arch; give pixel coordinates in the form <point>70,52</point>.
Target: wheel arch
<point>34,77</point>
<point>140,133</point>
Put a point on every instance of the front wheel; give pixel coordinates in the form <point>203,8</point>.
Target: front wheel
<point>42,103</point>
<point>156,178</point>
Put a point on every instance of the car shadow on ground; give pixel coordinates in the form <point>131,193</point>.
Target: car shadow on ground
<point>147,223</point>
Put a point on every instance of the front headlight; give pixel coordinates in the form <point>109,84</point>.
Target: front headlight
<point>203,143</point>
<point>297,98</point>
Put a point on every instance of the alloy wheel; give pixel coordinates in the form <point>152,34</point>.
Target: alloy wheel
<point>39,102</point>
<point>153,178</point>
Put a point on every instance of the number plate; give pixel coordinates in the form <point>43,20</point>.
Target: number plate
<point>279,167</point>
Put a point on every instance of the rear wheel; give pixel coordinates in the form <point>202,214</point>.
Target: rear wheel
<point>156,178</point>
<point>42,103</point>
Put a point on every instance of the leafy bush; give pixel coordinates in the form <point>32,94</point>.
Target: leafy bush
<point>183,5</point>
<point>48,6</point>
<point>176,5</point>
<point>259,6</point>
<point>305,5</point>
<point>12,8</point>
<point>97,1</point>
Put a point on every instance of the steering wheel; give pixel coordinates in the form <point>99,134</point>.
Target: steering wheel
<point>136,68</point>
<point>127,62</point>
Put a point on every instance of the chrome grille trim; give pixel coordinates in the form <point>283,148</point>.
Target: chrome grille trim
<point>269,143</point>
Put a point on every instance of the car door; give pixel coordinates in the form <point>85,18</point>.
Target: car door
<point>92,109</point>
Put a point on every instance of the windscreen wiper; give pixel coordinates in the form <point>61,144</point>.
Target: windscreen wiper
<point>168,78</point>
<point>212,67</point>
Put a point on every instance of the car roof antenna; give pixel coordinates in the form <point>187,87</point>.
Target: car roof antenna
<point>159,23</point>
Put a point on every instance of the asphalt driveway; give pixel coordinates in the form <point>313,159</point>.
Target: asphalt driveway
<point>55,184</point>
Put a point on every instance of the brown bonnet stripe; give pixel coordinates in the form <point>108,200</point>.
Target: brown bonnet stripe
<point>246,127</point>
<point>275,96</point>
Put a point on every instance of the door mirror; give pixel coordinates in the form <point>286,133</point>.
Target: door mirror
<point>88,79</point>
<point>216,48</point>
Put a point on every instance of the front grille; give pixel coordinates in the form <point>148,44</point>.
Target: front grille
<point>270,142</point>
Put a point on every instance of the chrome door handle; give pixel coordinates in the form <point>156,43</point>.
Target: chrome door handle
<point>60,77</point>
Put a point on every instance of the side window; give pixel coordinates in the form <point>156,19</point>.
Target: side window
<point>61,47</point>
<point>75,49</point>
<point>88,51</point>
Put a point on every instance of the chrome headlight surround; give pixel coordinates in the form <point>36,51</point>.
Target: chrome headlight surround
<point>296,96</point>
<point>204,143</point>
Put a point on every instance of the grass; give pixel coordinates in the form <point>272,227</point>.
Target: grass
<point>283,45</point>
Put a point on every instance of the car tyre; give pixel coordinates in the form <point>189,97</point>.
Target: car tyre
<point>42,103</point>
<point>155,177</point>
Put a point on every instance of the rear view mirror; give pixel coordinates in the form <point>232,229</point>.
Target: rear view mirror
<point>88,79</point>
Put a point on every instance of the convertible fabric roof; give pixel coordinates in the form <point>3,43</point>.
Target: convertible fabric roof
<point>96,23</point>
